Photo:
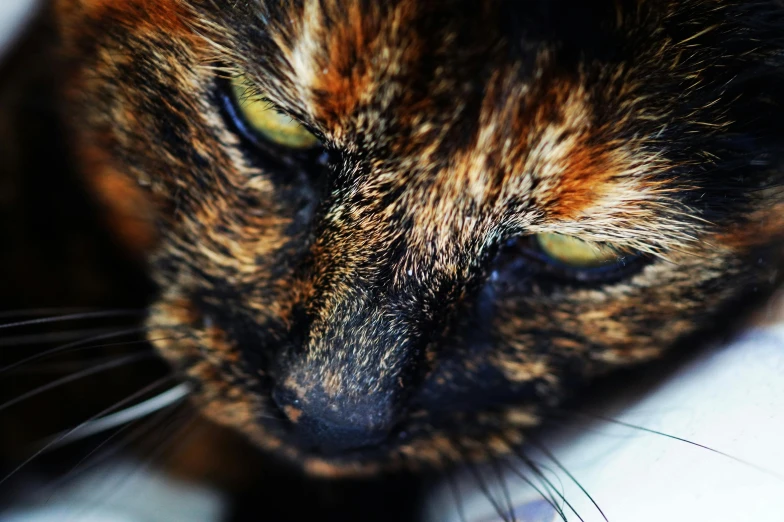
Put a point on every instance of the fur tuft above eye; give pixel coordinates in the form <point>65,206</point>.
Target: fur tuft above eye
<point>269,123</point>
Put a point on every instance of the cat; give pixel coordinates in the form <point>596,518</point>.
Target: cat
<point>395,235</point>
<point>401,230</point>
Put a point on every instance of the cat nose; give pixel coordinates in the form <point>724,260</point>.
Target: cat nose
<point>334,425</point>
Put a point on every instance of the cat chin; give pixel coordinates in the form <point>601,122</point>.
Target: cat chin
<point>323,468</point>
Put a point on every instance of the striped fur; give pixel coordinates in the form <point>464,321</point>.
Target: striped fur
<point>455,127</point>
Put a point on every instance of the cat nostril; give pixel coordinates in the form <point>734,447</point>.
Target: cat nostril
<point>287,403</point>
<point>334,426</point>
<point>332,439</point>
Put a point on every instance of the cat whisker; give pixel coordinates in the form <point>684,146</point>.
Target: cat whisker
<point>67,346</point>
<point>131,343</point>
<point>166,440</point>
<point>61,367</point>
<point>457,494</point>
<point>116,363</point>
<point>147,389</point>
<point>494,462</point>
<point>163,400</point>
<point>269,417</point>
<point>74,317</point>
<point>50,337</point>
<point>33,312</point>
<point>175,433</point>
<point>538,470</point>
<point>547,496</point>
<point>93,458</point>
<point>39,369</point>
<point>74,344</point>
<point>549,454</point>
<point>547,483</point>
<point>163,444</point>
<point>617,422</point>
<point>485,489</point>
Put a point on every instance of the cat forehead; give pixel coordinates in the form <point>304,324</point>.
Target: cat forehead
<point>404,66</point>
<point>444,102</point>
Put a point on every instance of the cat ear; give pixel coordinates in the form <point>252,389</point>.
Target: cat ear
<point>573,27</point>
<point>71,15</point>
<point>70,11</point>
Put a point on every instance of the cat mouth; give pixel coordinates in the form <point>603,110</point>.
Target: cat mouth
<point>436,428</point>
<point>419,442</point>
<point>336,445</point>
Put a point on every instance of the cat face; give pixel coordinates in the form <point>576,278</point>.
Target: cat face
<point>410,286</point>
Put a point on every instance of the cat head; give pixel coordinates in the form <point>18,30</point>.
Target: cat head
<point>393,234</point>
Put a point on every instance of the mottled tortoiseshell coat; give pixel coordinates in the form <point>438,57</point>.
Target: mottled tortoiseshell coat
<point>380,293</point>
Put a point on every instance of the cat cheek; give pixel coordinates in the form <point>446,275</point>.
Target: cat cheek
<point>764,226</point>
<point>126,207</point>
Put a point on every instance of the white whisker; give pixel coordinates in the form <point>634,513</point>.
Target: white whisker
<point>64,347</point>
<point>115,363</point>
<point>73,317</point>
<point>50,337</point>
<point>130,414</point>
<point>98,415</point>
<point>33,312</point>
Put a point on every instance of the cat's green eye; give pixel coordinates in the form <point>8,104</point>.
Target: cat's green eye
<point>278,128</point>
<point>577,253</point>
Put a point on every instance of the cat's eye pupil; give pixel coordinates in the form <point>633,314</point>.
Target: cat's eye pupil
<point>272,125</point>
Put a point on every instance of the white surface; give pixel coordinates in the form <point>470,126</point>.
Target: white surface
<point>123,493</point>
<point>731,400</point>
<point>13,15</point>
